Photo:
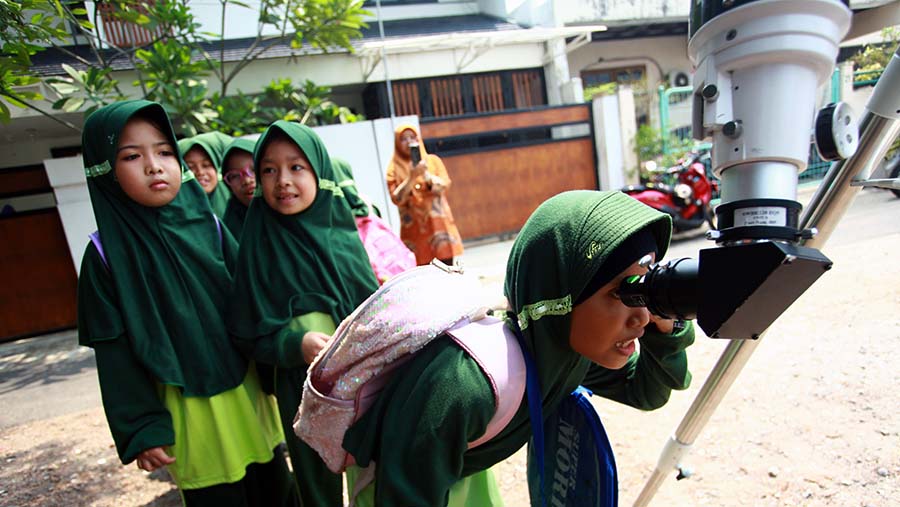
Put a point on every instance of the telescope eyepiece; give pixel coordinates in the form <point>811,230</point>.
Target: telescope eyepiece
<point>668,289</point>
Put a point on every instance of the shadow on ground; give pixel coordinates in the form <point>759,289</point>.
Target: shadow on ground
<point>33,368</point>
<point>53,474</point>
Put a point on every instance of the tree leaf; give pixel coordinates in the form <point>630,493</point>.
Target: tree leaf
<point>5,116</point>
<point>15,101</point>
<point>73,104</point>
<point>63,88</point>
<point>60,103</point>
<point>76,75</point>
<point>30,95</point>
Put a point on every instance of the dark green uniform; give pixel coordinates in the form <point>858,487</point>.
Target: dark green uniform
<point>441,398</point>
<point>214,144</point>
<point>298,273</point>
<point>152,309</point>
<point>236,212</point>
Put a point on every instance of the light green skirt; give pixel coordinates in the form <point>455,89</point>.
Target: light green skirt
<point>217,437</point>
<point>477,489</point>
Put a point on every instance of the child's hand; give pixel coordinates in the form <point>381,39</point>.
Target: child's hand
<point>419,169</point>
<point>665,326</point>
<point>437,184</point>
<point>153,458</point>
<point>313,342</point>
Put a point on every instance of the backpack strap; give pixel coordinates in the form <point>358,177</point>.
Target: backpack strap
<point>95,239</point>
<point>535,407</point>
<point>502,362</point>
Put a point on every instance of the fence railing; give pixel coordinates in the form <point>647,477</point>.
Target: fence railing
<point>866,77</point>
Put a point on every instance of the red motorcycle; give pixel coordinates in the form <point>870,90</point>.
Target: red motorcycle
<point>683,191</point>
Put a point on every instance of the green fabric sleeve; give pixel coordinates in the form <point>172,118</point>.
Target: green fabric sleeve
<point>99,318</point>
<point>137,417</point>
<point>284,348</point>
<point>281,349</point>
<point>229,248</point>
<point>234,218</point>
<point>649,377</point>
<point>418,429</point>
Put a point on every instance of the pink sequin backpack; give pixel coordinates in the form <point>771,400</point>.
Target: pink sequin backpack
<point>387,253</point>
<point>385,331</point>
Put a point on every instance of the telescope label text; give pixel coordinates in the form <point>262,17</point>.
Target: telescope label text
<point>762,215</point>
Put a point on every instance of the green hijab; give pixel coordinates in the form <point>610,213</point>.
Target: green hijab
<point>214,144</point>
<point>344,174</point>
<point>167,266</point>
<point>236,212</point>
<point>290,265</point>
<point>559,250</point>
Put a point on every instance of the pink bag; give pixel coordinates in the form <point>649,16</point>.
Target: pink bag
<point>387,253</point>
<point>393,324</point>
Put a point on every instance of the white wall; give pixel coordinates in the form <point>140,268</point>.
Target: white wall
<point>368,146</point>
<point>21,152</point>
<point>614,129</point>
<point>241,22</point>
<point>73,202</point>
<point>606,11</point>
<point>670,53</point>
<point>659,55</point>
<point>415,11</point>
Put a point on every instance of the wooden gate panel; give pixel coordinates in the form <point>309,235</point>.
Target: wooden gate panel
<point>38,292</point>
<point>504,121</point>
<point>495,191</point>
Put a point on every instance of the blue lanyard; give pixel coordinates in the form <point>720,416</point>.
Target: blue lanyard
<point>533,391</point>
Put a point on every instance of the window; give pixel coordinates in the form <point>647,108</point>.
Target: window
<point>125,34</point>
<point>488,93</point>
<point>466,94</point>
<point>618,74</point>
<point>528,89</point>
<point>406,99</point>
<point>446,97</point>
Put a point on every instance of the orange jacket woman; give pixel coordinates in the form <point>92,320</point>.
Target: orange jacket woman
<point>419,191</point>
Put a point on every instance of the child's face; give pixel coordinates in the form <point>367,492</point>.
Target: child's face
<point>287,178</point>
<point>238,175</point>
<point>147,166</point>
<point>202,166</point>
<point>604,330</point>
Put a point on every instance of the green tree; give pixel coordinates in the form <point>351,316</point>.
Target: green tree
<point>174,68</point>
<point>873,58</point>
<point>26,27</point>
<point>649,146</point>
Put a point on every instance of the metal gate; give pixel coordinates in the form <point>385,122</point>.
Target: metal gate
<point>503,165</point>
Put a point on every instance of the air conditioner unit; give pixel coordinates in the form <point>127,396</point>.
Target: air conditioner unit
<point>679,78</point>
